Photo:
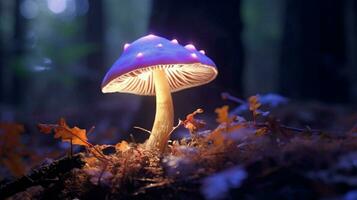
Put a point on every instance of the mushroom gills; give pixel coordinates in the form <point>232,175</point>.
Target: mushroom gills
<point>179,76</point>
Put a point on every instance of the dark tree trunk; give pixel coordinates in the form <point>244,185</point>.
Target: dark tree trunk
<point>2,66</point>
<point>95,33</point>
<point>354,51</point>
<point>212,26</point>
<point>95,28</point>
<point>351,20</point>
<point>313,51</point>
<point>18,80</point>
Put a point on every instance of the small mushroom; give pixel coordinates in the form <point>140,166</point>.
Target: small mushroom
<point>153,65</point>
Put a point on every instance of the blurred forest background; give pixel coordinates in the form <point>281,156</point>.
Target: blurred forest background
<point>54,54</point>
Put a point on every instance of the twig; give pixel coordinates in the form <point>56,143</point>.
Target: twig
<point>260,125</point>
<point>142,129</point>
<point>153,185</point>
<point>87,143</point>
<point>82,140</point>
<point>132,138</point>
<point>226,95</point>
<point>91,130</point>
<point>175,127</point>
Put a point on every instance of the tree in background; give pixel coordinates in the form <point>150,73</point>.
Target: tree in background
<point>13,72</point>
<point>94,32</point>
<point>313,59</point>
<point>214,27</point>
<point>211,26</point>
<point>351,23</point>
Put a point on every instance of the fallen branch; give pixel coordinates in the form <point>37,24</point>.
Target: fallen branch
<point>42,175</point>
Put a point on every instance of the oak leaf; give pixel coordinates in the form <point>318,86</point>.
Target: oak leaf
<point>73,135</point>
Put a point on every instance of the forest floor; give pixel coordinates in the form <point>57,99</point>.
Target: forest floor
<point>251,154</point>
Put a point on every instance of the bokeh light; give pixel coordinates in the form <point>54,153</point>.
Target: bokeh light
<point>57,6</point>
<point>29,9</point>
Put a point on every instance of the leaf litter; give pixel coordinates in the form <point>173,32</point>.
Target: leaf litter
<point>235,159</point>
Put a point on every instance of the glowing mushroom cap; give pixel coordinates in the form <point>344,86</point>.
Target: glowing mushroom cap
<point>132,72</point>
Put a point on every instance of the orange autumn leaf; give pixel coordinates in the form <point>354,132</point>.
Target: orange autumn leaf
<point>261,131</point>
<point>12,150</point>
<point>193,124</point>
<point>10,136</point>
<point>217,138</point>
<point>235,127</point>
<point>223,115</point>
<point>122,146</point>
<point>74,135</point>
<point>45,128</point>
<point>254,105</point>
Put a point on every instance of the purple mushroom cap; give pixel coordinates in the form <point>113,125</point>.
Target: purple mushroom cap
<point>185,67</point>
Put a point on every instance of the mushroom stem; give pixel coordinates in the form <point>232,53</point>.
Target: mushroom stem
<point>164,117</point>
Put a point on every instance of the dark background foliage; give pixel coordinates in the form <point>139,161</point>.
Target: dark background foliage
<point>54,54</point>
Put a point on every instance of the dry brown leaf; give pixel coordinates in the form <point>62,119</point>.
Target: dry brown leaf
<point>216,137</point>
<point>122,146</point>
<point>193,124</point>
<point>45,128</point>
<point>91,161</point>
<point>10,135</point>
<point>12,149</point>
<point>74,135</point>
<point>254,105</point>
<point>223,115</point>
<point>261,131</point>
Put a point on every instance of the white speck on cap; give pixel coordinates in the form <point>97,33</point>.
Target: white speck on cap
<point>203,52</point>
<point>190,47</point>
<point>150,36</point>
<point>139,55</point>
<point>193,55</point>
<point>174,41</point>
<point>126,45</point>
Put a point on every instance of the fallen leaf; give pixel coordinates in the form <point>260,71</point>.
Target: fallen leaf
<point>261,131</point>
<point>122,146</point>
<point>74,135</point>
<point>254,104</point>
<point>223,115</point>
<point>217,138</point>
<point>45,128</point>
<point>193,124</point>
<point>11,148</point>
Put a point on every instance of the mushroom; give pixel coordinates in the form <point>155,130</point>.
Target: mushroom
<point>153,65</point>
